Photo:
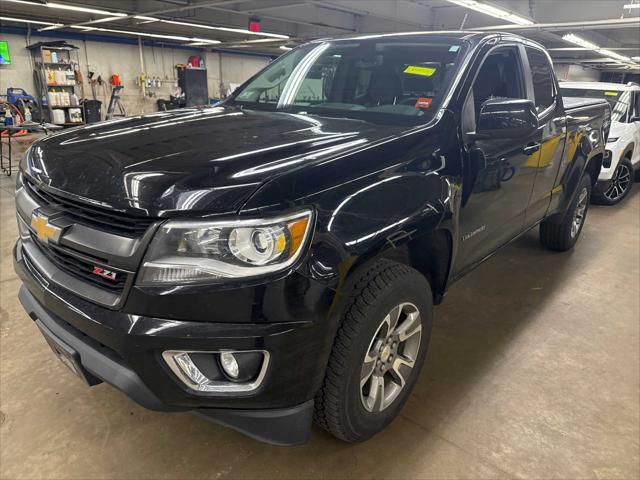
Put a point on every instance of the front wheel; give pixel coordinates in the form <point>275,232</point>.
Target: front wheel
<point>621,184</point>
<point>562,236</point>
<point>378,351</point>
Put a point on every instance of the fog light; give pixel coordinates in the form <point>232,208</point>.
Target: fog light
<point>229,364</point>
<point>219,372</point>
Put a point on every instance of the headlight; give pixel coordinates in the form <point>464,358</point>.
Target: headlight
<point>612,139</point>
<point>187,252</point>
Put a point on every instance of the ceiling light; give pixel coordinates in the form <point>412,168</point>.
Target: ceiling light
<point>570,37</point>
<point>23,20</point>
<point>224,29</point>
<point>493,11</point>
<point>148,19</point>
<point>617,56</point>
<point>632,5</point>
<point>284,47</point>
<point>204,41</point>
<point>63,6</point>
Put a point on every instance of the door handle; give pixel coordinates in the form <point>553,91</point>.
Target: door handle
<point>531,148</point>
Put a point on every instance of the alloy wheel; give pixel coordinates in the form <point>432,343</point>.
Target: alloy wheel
<point>391,357</point>
<point>579,212</point>
<point>620,183</point>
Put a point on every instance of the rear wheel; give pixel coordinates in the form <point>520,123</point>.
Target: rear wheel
<point>562,236</point>
<point>621,184</point>
<point>378,351</point>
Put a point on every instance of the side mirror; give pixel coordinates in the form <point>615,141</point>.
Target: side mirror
<point>506,118</point>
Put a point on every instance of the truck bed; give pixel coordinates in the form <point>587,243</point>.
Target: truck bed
<point>573,103</point>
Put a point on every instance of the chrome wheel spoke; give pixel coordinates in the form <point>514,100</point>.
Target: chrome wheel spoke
<point>409,327</point>
<point>393,317</point>
<point>367,368</point>
<point>401,367</point>
<point>376,393</point>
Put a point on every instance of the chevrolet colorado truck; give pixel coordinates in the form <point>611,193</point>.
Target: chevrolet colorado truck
<point>275,259</point>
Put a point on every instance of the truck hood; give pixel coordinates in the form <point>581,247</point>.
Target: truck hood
<point>208,159</point>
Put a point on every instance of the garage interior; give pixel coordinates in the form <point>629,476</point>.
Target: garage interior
<point>534,365</point>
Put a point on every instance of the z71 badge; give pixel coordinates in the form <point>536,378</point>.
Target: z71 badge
<point>105,273</point>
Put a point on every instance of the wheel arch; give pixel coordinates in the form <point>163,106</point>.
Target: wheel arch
<point>430,254</point>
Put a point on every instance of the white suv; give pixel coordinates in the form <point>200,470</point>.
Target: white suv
<point>622,156</point>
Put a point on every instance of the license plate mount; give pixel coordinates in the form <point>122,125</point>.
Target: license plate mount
<point>68,356</point>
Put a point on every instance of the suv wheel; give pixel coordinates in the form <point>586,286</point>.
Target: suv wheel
<point>562,236</point>
<point>378,351</point>
<point>621,184</point>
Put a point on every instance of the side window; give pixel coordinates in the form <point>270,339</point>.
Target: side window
<point>542,74</point>
<point>500,76</point>
<point>635,112</point>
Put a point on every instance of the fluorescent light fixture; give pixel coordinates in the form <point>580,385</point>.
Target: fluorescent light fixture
<point>570,37</point>
<point>614,55</point>
<point>97,11</point>
<point>64,6</point>
<point>203,41</point>
<point>24,20</point>
<point>493,11</point>
<point>632,5</point>
<point>581,42</point>
<point>148,19</point>
<point>284,47</point>
<point>224,29</point>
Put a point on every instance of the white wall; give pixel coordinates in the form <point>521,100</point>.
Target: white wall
<point>106,59</point>
<point>576,73</point>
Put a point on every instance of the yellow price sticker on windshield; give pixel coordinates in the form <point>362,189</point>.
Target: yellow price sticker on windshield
<point>424,71</point>
<point>611,94</point>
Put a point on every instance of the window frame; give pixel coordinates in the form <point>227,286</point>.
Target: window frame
<point>522,67</point>
<point>554,104</point>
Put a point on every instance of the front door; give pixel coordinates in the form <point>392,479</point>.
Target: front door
<point>498,178</point>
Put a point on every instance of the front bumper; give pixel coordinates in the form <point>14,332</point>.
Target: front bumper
<point>125,350</point>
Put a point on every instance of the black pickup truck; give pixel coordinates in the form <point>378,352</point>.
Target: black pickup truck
<point>276,258</point>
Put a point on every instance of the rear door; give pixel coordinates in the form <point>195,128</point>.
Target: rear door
<point>551,136</point>
<point>497,189</point>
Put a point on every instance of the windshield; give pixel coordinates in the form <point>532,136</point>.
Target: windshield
<point>619,100</point>
<point>382,79</point>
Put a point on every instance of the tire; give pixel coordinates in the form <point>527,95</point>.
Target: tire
<point>345,407</point>
<point>562,236</point>
<point>621,185</point>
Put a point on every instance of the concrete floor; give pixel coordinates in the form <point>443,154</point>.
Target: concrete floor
<point>533,372</point>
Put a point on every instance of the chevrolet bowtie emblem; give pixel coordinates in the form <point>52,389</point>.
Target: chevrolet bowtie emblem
<point>45,231</point>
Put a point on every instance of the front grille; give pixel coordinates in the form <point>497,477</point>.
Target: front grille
<point>78,267</point>
<point>92,216</point>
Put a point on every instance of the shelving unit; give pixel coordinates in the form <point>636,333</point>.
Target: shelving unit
<point>56,82</point>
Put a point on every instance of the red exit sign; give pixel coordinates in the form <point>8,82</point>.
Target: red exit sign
<point>254,25</point>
